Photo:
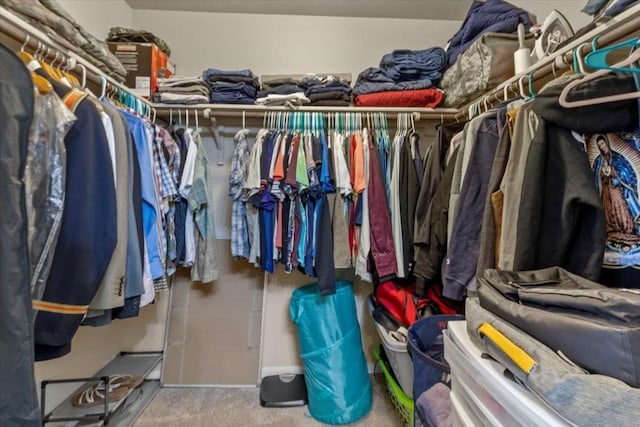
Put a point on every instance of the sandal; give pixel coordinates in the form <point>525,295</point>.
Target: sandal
<point>126,380</point>
<point>95,394</point>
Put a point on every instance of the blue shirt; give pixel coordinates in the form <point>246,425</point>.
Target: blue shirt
<point>150,208</point>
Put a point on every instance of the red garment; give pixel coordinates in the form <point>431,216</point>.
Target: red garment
<point>429,98</point>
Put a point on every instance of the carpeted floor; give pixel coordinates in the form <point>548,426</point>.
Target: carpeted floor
<point>235,407</point>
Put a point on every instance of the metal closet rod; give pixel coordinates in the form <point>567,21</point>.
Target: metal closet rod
<point>258,111</point>
<point>612,32</point>
<point>21,31</point>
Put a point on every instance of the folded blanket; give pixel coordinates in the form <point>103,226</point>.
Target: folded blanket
<point>429,98</point>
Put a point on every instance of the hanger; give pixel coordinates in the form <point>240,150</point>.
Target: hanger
<point>634,57</point>
<point>41,84</point>
<point>25,56</point>
<point>597,58</point>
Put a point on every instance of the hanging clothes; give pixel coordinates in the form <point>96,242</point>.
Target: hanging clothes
<point>18,394</point>
<point>44,178</point>
<point>205,267</point>
<point>88,231</point>
<point>567,216</point>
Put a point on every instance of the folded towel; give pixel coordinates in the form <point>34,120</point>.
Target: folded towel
<point>434,406</point>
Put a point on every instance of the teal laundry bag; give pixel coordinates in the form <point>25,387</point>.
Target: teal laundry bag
<point>335,366</point>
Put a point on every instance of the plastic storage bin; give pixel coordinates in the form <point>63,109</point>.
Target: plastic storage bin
<point>397,354</point>
<point>461,416</point>
<point>402,403</point>
<point>488,396</point>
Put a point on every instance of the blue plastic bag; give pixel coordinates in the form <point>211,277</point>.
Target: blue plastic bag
<point>335,367</point>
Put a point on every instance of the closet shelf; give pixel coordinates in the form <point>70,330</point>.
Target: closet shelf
<point>122,412</point>
<point>608,32</point>
<point>234,110</point>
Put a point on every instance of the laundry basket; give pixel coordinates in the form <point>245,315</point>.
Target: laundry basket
<point>402,403</point>
<point>338,385</point>
<point>426,346</point>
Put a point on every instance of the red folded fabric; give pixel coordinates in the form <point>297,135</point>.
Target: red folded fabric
<point>429,98</point>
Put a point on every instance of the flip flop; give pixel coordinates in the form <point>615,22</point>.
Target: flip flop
<point>95,395</point>
<point>126,380</point>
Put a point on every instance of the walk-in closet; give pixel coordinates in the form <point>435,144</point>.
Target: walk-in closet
<point>304,213</point>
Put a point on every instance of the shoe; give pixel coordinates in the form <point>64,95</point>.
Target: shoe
<point>95,395</point>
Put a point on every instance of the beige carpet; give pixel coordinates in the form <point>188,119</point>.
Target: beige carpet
<point>235,407</point>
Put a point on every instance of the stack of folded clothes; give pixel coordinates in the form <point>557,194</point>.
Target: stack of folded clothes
<point>282,91</point>
<point>182,90</point>
<point>51,18</point>
<point>406,78</point>
<point>327,90</point>
<point>232,87</point>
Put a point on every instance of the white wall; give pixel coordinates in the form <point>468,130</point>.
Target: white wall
<point>283,44</point>
<point>98,16</point>
<point>569,8</point>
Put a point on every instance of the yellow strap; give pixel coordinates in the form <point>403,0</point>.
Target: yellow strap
<point>54,307</point>
<point>515,353</point>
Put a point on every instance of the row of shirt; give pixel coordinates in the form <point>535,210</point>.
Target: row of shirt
<point>317,201</point>
<point>116,203</point>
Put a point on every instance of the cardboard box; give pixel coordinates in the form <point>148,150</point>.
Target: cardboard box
<point>144,63</point>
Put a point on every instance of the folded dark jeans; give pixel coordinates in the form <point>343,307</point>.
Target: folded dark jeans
<point>319,80</point>
<point>237,73</point>
<point>325,89</point>
<point>434,58</point>
<point>243,88</point>
<point>231,99</point>
<point>234,79</point>
<point>373,74</point>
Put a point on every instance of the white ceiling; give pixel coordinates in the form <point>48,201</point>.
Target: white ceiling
<point>407,9</point>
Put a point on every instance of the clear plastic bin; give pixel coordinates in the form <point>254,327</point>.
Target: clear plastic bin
<point>487,394</point>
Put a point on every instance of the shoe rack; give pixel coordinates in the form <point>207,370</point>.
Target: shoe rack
<point>119,413</point>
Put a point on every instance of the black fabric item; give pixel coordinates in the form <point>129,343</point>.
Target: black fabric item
<point>409,191</point>
<point>18,397</point>
<point>325,267</point>
<point>561,222</point>
<point>596,327</point>
<point>428,263</point>
<point>602,118</point>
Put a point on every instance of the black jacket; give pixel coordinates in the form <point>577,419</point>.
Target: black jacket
<point>561,219</point>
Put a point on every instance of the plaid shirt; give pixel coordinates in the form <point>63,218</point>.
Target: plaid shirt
<point>239,233</point>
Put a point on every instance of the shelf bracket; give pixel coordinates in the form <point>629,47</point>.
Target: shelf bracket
<point>215,131</point>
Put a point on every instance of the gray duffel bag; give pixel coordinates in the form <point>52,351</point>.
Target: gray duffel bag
<point>485,64</point>
<point>595,326</point>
